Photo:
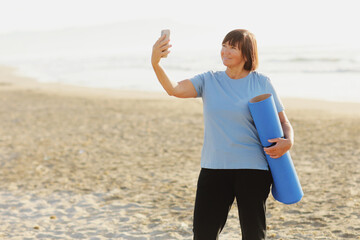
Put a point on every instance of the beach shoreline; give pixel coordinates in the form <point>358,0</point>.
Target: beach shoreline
<point>82,163</point>
<point>12,81</point>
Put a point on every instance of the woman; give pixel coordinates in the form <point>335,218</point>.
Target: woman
<point>233,163</point>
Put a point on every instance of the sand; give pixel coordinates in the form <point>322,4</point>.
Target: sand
<point>80,163</point>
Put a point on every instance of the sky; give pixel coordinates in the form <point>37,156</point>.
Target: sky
<point>274,22</point>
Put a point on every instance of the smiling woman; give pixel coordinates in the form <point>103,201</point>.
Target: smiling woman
<point>233,162</point>
<point>239,48</point>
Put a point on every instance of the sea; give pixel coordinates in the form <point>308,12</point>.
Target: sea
<point>117,56</point>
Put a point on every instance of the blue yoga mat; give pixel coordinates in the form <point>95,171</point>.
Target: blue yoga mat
<point>286,187</point>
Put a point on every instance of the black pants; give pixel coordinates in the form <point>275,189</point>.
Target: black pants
<point>215,194</point>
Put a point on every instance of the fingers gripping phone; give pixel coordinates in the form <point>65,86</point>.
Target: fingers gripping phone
<point>166,32</point>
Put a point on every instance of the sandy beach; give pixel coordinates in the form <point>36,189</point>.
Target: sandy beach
<point>81,163</point>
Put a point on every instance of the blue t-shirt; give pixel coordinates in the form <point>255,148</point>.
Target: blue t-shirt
<point>231,140</point>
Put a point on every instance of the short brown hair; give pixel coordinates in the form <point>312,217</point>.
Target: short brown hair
<point>246,42</point>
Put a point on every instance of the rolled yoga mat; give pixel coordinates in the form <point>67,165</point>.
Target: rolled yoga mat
<point>286,187</point>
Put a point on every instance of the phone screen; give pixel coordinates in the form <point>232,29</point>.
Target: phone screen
<point>167,33</point>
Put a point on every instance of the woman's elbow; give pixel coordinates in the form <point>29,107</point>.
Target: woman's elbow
<point>176,93</point>
<point>170,92</point>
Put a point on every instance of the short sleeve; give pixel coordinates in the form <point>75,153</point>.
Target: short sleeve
<point>198,82</point>
<point>270,89</point>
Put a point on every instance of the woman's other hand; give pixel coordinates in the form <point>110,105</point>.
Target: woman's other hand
<point>160,50</point>
<point>281,146</point>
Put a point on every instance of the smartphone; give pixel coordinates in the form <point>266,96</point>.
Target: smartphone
<point>167,33</point>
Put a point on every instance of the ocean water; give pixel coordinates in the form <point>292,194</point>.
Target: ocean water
<point>105,57</point>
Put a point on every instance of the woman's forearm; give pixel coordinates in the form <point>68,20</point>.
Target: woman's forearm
<point>163,79</point>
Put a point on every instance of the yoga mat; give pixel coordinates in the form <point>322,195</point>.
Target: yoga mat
<point>286,187</point>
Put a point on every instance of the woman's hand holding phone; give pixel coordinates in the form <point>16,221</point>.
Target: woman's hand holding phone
<point>161,47</point>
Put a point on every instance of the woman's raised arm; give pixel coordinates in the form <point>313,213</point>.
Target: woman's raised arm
<point>183,89</point>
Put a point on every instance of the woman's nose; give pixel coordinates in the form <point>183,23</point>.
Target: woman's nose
<point>226,52</point>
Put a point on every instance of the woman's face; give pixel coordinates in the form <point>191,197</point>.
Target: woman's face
<point>231,55</point>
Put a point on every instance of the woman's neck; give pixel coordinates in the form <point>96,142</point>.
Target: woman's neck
<point>237,73</point>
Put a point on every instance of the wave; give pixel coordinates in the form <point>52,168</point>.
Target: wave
<point>313,71</point>
<point>333,71</point>
<point>320,59</point>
